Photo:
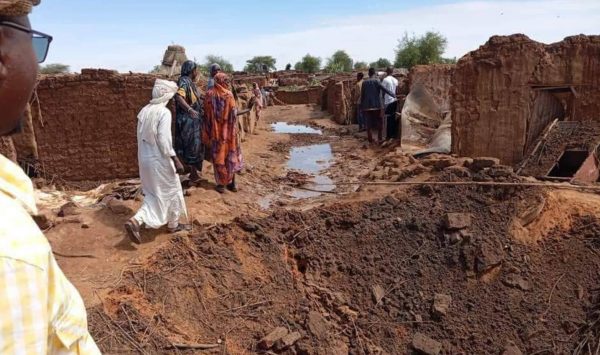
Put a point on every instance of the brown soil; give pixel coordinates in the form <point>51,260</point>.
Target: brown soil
<point>315,272</point>
<point>353,271</point>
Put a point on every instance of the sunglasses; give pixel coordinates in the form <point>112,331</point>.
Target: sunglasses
<point>40,41</point>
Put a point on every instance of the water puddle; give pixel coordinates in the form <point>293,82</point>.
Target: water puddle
<point>313,160</point>
<point>284,127</point>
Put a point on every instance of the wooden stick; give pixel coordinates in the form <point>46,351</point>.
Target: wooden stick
<point>537,146</point>
<point>73,256</point>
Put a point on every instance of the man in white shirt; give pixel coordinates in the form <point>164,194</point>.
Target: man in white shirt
<point>391,103</point>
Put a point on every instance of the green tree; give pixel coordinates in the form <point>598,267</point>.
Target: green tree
<point>426,49</point>
<point>340,61</point>
<point>155,69</point>
<point>309,64</point>
<point>225,65</point>
<point>55,68</point>
<point>259,63</point>
<point>381,63</point>
<point>288,67</point>
<point>361,66</point>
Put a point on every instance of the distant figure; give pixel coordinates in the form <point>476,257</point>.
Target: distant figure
<point>220,134</point>
<point>212,71</point>
<point>258,100</point>
<point>357,92</point>
<point>188,122</point>
<point>159,165</point>
<point>390,103</point>
<point>371,104</point>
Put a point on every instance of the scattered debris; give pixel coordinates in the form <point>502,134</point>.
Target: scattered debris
<point>441,304</point>
<point>425,345</point>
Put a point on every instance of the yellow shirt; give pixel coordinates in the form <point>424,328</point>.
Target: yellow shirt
<point>40,310</point>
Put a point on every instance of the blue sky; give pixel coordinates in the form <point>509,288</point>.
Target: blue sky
<point>132,35</point>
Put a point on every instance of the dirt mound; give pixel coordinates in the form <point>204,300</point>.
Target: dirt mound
<point>430,268</point>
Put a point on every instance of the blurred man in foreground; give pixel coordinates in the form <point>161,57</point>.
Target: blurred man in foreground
<point>40,310</point>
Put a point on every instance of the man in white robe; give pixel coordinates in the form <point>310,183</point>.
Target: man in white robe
<point>159,165</point>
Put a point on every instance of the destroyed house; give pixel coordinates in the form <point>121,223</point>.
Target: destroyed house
<point>506,93</point>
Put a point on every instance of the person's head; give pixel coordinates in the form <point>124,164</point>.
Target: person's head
<point>389,70</point>
<point>163,92</point>
<point>360,76</point>
<point>221,79</point>
<point>21,49</point>
<point>214,69</point>
<point>371,72</point>
<point>255,85</point>
<point>189,69</point>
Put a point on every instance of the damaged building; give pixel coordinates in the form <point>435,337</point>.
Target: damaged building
<point>506,93</point>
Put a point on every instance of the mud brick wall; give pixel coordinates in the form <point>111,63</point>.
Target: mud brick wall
<point>7,148</point>
<point>292,81</point>
<point>87,127</point>
<point>303,97</point>
<point>436,79</point>
<point>339,100</point>
<point>249,80</point>
<point>495,89</point>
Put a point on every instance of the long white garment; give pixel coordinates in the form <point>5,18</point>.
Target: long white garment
<point>163,195</point>
<point>391,84</point>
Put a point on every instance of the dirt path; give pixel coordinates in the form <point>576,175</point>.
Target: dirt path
<point>263,186</point>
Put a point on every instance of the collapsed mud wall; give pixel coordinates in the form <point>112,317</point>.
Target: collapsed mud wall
<point>339,100</point>
<point>85,128</point>
<point>579,136</point>
<point>307,96</point>
<point>427,102</point>
<point>436,79</point>
<point>494,90</point>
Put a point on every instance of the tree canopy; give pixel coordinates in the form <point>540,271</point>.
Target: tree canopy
<point>340,61</point>
<point>426,49</point>
<point>226,66</point>
<point>361,66</point>
<point>55,68</point>
<point>381,63</point>
<point>288,67</point>
<point>258,64</point>
<point>309,64</point>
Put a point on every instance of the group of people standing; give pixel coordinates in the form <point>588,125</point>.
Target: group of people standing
<point>206,127</point>
<point>377,104</point>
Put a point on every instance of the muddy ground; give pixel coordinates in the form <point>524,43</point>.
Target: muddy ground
<point>353,270</point>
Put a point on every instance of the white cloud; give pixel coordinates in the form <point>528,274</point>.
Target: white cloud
<point>467,25</point>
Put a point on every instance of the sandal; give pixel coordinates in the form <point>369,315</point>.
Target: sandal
<point>180,228</point>
<point>133,231</point>
<point>220,189</point>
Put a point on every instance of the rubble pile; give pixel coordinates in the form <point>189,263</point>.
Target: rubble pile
<point>433,269</point>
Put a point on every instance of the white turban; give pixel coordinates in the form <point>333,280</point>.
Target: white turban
<point>163,91</point>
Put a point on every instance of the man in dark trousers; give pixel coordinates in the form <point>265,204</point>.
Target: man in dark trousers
<point>371,103</point>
